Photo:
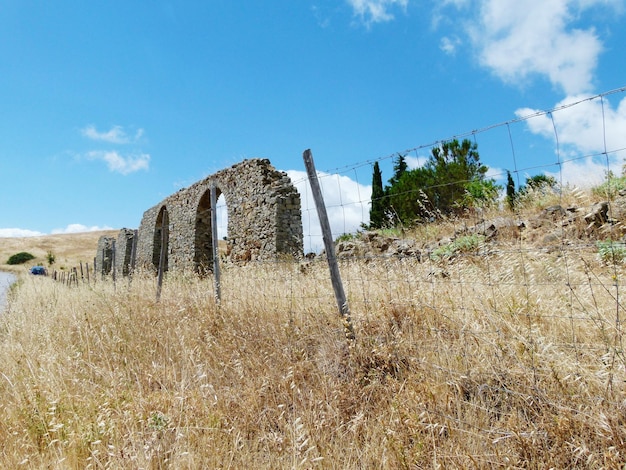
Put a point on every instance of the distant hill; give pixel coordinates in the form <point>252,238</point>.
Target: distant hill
<point>69,249</point>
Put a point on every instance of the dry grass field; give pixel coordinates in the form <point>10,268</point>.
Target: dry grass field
<point>68,249</point>
<point>509,356</point>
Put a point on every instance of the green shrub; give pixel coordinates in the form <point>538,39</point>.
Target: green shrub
<point>465,244</point>
<point>20,258</point>
<point>610,251</point>
<point>611,187</point>
<point>346,237</point>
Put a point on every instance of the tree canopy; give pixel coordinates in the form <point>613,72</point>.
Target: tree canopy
<point>453,180</point>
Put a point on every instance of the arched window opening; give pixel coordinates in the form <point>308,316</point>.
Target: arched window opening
<point>203,256</point>
<point>161,239</point>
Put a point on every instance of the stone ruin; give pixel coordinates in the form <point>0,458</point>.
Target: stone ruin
<point>264,223</point>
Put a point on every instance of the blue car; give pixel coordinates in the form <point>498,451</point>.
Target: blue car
<point>38,270</point>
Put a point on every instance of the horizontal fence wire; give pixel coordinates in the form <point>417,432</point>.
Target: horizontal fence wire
<point>535,300</point>
<point>542,291</point>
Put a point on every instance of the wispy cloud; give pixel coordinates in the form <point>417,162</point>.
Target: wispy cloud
<point>79,228</point>
<point>119,163</point>
<point>449,45</point>
<point>115,135</point>
<point>18,233</point>
<point>376,11</point>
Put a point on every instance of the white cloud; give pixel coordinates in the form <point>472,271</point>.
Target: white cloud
<point>449,45</point>
<point>119,163</point>
<point>585,173</point>
<point>537,37</point>
<point>18,233</point>
<point>79,228</point>
<point>375,11</point>
<point>591,129</point>
<point>115,135</point>
<point>583,127</point>
<point>415,162</point>
<point>347,204</point>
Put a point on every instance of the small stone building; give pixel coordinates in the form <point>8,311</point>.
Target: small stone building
<point>264,221</point>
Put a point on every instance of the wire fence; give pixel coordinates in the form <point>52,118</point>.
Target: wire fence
<point>539,288</point>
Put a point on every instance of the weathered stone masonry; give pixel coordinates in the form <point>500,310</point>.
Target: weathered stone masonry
<point>264,221</point>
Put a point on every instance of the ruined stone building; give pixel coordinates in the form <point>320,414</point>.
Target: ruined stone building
<point>264,223</point>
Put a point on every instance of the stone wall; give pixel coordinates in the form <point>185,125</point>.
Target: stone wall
<point>124,251</point>
<point>264,221</point>
<point>104,255</point>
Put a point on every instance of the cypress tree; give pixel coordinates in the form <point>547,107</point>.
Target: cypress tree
<point>377,210</point>
<point>510,190</point>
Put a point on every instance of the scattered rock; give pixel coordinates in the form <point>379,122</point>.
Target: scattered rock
<point>599,214</point>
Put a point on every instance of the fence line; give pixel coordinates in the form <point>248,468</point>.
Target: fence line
<point>540,286</point>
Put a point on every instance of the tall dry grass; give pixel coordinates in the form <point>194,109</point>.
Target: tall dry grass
<point>509,358</point>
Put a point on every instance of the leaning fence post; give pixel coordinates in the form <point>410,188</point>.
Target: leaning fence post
<point>113,261</point>
<point>335,276</point>
<point>133,254</point>
<point>162,253</point>
<point>215,244</point>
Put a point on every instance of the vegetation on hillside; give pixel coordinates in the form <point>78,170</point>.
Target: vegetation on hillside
<point>452,181</point>
<point>20,258</point>
<point>484,355</point>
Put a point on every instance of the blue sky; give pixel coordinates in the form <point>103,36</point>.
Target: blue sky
<point>109,107</point>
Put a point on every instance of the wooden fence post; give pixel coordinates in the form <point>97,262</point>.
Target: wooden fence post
<point>163,253</point>
<point>215,245</point>
<point>133,254</point>
<point>329,245</point>
<point>113,267</point>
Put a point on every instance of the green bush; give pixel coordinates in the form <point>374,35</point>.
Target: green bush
<point>610,251</point>
<point>466,244</point>
<point>611,187</point>
<point>20,258</point>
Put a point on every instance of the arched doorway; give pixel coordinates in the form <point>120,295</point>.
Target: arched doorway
<point>161,240</point>
<point>203,255</point>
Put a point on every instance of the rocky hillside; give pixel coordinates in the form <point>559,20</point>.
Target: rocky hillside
<point>550,227</point>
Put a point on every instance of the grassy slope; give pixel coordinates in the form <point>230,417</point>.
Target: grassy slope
<point>507,360</point>
<point>68,249</point>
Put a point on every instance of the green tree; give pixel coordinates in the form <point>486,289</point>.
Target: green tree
<point>408,200</point>
<point>452,180</point>
<point>459,177</point>
<point>541,182</point>
<point>400,167</point>
<point>377,210</point>
<point>510,190</point>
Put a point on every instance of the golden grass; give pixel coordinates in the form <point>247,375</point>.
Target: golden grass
<point>511,359</point>
<point>508,358</point>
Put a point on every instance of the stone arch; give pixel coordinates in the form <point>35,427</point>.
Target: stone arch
<point>203,238</point>
<point>264,219</point>
<point>161,237</point>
